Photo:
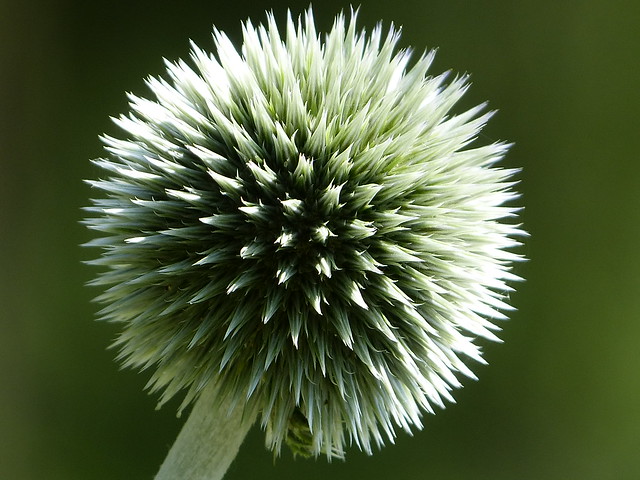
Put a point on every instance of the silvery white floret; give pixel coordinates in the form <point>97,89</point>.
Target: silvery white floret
<point>304,225</point>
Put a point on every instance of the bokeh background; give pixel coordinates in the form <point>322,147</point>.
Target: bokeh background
<point>561,398</point>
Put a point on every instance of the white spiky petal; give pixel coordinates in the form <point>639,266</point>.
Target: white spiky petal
<point>305,224</point>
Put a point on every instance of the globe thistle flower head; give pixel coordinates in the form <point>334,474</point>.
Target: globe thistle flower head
<point>305,224</point>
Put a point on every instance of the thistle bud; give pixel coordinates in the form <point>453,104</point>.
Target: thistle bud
<point>305,225</point>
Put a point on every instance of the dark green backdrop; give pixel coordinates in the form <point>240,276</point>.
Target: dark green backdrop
<point>561,398</point>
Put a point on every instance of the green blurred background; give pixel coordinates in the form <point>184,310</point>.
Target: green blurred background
<point>561,398</point>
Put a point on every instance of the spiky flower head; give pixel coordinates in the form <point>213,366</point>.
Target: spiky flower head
<point>305,224</point>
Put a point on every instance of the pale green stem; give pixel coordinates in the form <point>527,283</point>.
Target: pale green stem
<point>208,441</point>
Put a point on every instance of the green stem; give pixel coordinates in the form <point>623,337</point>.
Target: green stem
<point>209,440</point>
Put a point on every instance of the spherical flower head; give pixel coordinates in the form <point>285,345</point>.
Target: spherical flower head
<point>304,223</point>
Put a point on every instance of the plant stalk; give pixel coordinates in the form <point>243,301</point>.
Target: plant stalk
<point>209,440</point>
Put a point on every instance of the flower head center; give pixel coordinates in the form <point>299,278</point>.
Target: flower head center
<point>294,238</point>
